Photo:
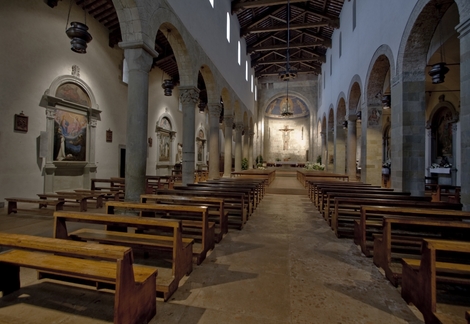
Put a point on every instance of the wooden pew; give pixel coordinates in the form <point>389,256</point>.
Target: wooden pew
<point>304,175</point>
<point>215,206</point>
<point>195,222</point>
<point>420,277</point>
<point>134,285</point>
<point>260,184</point>
<point>234,202</point>
<point>72,197</point>
<point>371,221</point>
<point>108,184</point>
<point>329,198</point>
<point>348,210</point>
<point>171,245</point>
<point>251,190</point>
<point>323,193</point>
<point>158,182</point>
<point>269,175</point>
<point>313,184</point>
<point>467,316</point>
<point>317,194</point>
<point>446,193</point>
<point>402,236</point>
<point>105,194</point>
<point>95,195</point>
<point>13,203</point>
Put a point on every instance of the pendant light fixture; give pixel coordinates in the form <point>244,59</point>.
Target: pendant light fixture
<point>78,33</point>
<point>287,74</point>
<point>439,70</point>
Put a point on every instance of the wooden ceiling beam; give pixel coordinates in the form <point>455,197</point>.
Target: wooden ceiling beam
<point>291,27</point>
<point>238,5</point>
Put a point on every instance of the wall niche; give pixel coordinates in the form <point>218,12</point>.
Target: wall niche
<point>72,115</point>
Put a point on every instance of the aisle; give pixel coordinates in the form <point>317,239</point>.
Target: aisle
<point>286,266</point>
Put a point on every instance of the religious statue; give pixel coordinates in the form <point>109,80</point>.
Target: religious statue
<point>285,136</point>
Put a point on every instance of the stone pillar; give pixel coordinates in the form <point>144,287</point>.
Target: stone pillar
<point>340,148</point>
<point>189,97</point>
<point>373,149</point>
<point>351,147</point>
<point>464,35</point>
<point>251,136</point>
<point>139,62</point>
<point>245,144</point>
<point>324,149</point>
<point>228,120</point>
<point>238,146</point>
<point>214,154</point>
<point>91,165</point>
<point>49,168</point>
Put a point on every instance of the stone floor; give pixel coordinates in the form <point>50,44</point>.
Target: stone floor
<point>285,266</point>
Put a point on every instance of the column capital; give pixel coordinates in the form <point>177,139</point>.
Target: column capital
<point>239,126</point>
<point>139,44</point>
<point>189,94</point>
<point>215,109</point>
<point>352,117</point>
<point>50,113</point>
<point>138,59</point>
<point>228,119</point>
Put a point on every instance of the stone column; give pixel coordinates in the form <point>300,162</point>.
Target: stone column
<point>340,147</point>
<point>189,97</point>
<point>464,35</point>
<point>214,154</point>
<point>228,120</point>
<point>245,143</point>
<point>49,168</point>
<point>139,62</point>
<point>323,149</point>
<point>251,136</point>
<point>91,165</point>
<point>238,146</point>
<point>351,147</point>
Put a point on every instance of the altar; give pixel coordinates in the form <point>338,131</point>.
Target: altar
<point>287,164</point>
<point>445,176</point>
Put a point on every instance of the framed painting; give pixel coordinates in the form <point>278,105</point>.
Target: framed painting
<point>21,122</point>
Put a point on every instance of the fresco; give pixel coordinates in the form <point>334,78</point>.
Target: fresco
<point>296,105</point>
<point>70,132</point>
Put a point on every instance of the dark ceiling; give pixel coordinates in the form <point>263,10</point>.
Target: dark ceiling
<point>263,25</point>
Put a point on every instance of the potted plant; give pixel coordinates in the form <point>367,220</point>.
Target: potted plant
<point>244,164</point>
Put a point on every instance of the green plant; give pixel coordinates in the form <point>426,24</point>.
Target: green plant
<point>259,159</point>
<point>244,164</point>
<point>319,159</point>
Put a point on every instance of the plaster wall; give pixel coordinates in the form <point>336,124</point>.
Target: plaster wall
<point>207,26</point>
<point>377,23</point>
<point>38,51</point>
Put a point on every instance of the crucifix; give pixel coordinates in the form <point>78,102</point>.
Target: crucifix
<point>285,136</point>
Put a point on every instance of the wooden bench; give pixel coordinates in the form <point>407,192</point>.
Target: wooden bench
<point>72,197</point>
<point>371,221</point>
<point>215,206</point>
<point>402,237</point>
<point>195,222</point>
<point>325,194</point>
<point>268,175</point>
<point>134,285</point>
<point>319,188</point>
<point>95,195</point>
<point>108,184</point>
<point>348,209</point>
<point>158,182</point>
<point>314,187</point>
<point>234,202</point>
<point>247,192</point>
<point>13,203</point>
<point>106,194</point>
<point>171,246</point>
<point>446,193</point>
<point>420,277</point>
<point>253,196</point>
<point>259,184</point>
<point>304,175</point>
<point>328,204</point>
